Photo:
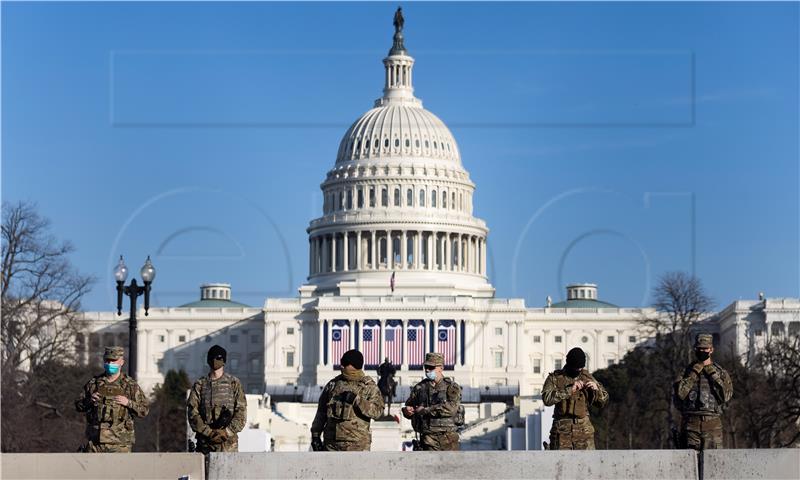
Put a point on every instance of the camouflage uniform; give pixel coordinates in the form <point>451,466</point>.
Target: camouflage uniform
<point>208,398</point>
<point>438,423</point>
<point>346,405</point>
<point>700,395</point>
<point>109,425</point>
<point>572,429</point>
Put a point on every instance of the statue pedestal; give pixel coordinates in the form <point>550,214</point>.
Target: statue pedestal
<point>386,436</point>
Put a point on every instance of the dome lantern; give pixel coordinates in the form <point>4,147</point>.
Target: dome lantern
<point>398,65</point>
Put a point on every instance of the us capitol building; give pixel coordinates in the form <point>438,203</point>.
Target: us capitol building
<point>397,267</point>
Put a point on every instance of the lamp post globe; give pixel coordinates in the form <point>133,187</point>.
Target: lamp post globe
<point>133,291</point>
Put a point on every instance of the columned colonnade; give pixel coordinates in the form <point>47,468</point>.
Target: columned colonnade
<point>365,250</point>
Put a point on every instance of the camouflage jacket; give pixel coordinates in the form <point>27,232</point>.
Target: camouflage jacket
<point>703,390</point>
<point>207,401</point>
<point>557,391</point>
<point>442,401</point>
<point>340,421</point>
<point>108,422</point>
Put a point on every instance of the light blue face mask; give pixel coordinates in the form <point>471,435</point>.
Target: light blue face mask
<point>430,374</point>
<point>111,368</point>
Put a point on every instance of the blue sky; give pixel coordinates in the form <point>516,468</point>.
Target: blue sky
<point>609,142</point>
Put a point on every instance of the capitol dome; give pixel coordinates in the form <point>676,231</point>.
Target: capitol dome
<point>398,201</point>
<point>394,130</point>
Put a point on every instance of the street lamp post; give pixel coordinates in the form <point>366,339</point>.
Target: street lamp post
<point>133,291</point>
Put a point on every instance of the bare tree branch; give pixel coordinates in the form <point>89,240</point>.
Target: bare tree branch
<point>41,291</point>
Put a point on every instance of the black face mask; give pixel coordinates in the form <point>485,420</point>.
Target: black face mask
<point>572,371</point>
<point>701,355</point>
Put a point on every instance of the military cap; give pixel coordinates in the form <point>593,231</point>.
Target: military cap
<point>704,340</point>
<point>354,358</point>
<point>434,359</point>
<point>113,353</point>
<point>217,352</point>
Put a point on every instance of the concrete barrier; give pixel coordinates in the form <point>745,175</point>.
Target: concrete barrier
<point>765,463</point>
<point>597,465</point>
<point>111,466</point>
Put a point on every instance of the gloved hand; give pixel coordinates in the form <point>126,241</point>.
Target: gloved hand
<point>316,444</point>
<point>348,397</point>
<point>218,435</point>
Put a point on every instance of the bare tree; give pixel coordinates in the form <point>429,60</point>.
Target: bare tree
<point>41,291</point>
<point>780,362</point>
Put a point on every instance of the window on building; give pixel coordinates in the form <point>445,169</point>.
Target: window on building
<point>234,364</point>
<point>255,339</point>
<point>557,364</point>
<point>453,200</point>
<point>444,199</point>
<point>290,359</point>
<point>422,198</point>
<point>349,199</point>
<point>632,339</point>
<point>396,197</point>
<point>384,197</point>
<point>777,328</point>
<point>498,330</point>
<point>234,338</point>
<point>557,339</point>
<point>584,339</point>
<point>537,365</point>
<point>610,339</point>
<point>794,329</point>
<point>340,206</point>
<point>759,332</point>
<point>498,359</point>
<point>255,365</point>
<point>611,362</point>
<point>371,196</point>
<point>360,198</point>
<point>433,199</point>
<point>181,338</point>
<point>162,338</point>
<point>289,330</point>
<point>537,339</point>
<point>410,198</point>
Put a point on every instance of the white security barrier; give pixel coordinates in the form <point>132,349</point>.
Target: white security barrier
<point>597,465</point>
<point>764,463</point>
<point>111,466</point>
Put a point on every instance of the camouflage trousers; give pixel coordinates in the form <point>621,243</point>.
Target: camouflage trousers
<point>92,447</point>
<point>205,447</point>
<point>339,446</point>
<point>572,434</point>
<point>701,432</point>
<point>440,441</point>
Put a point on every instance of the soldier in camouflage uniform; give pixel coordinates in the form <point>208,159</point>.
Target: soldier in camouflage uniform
<point>700,395</point>
<point>217,407</point>
<point>573,390</point>
<point>109,401</point>
<point>346,405</point>
<point>434,407</point>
